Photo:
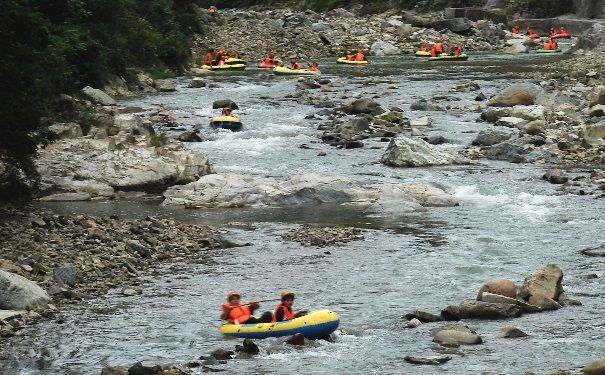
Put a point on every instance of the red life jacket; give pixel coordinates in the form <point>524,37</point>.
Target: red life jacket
<point>360,56</point>
<point>439,47</point>
<point>295,66</point>
<point>434,52</point>
<point>208,59</point>
<point>238,315</point>
<point>288,313</point>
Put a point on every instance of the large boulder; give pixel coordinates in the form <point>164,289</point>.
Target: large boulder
<point>529,112</point>
<point>508,151</point>
<point>382,48</point>
<point>502,287</point>
<point>491,136</point>
<point>455,335</point>
<point>460,25</point>
<point>164,85</point>
<point>471,309</point>
<point>98,96</point>
<point>19,293</point>
<point>407,152</point>
<point>489,31</point>
<point>545,282</point>
<point>362,106</point>
<point>595,368</point>
<point>597,96</point>
<point>517,94</point>
<point>224,103</point>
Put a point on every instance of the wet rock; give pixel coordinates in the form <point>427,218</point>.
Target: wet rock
<point>508,151</point>
<point>510,332</point>
<point>248,346</point>
<point>501,287</point>
<point>323,236</point>
<point>413,323</point>
<point>471,309</point>
<point>108,370</point>
<point>451,313</point>
<point>382,48</point>
<point>517,94</point>
<point>424,317</point>
<point>197,83</point>
<point>545,282</point>
<point>456,335</point>
<point>595,368</point>
<point>19,293</point>
<point>480,97</point>
<point>362,106</point>
<point>422,121</point>
<point>189,137</point>
<point>98,96</point>
<point>511,122</point>
<point>496,298</point>
<point>164,85</point>
<point>494,114</point>
<point>594,251</point>
<point>224,103</point>
<point>491,136</point>
<point>222,354</point>
<point>433,360</point>
<point>555,176</point>
<point>420,105</point>
<point>67,275</point>
<point>67,197</point>
<point>131,291</point>
<point>436,140</point>
<point>297,339</point>
<point>597,111</point>
<point>140,369</point>
<point>407,152</point>
<point>544,303</point>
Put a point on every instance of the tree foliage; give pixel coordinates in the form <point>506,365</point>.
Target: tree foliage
<point>59,46</point>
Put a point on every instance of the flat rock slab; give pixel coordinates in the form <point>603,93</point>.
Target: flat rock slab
<point>9,314</point>
<point>433,360</point>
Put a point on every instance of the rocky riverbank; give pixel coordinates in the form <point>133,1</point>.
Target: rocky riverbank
<point>52,260</point>
<point>310,35</point>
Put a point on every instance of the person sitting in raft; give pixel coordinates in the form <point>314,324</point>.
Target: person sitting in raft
<point>438,46</point>
<point>350,56</point>
<point>313,67</point>
<point>516,30</point>
<point>222,61</point>
<point>552,32</point>
<point>208,57</point>
<point>234,55</point>
<point>294,64</point>
<point>433,52</point>
<point>424,48</point>
<point>219,56</point>
<point>226,111</point>
<point>360,56</point>
<point>563,31</point>
<point>457,50</point>
<point>236,313</point>
<point>284,310</point>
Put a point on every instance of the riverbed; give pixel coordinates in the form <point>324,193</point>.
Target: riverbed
<point>508,224</point>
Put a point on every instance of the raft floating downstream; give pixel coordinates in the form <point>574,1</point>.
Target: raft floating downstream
<point>343,60</point>
<point>283,71</point>
<point>315,325</point>
<point>226,122</point>
<point>462,57</point>
<point>225,67</point>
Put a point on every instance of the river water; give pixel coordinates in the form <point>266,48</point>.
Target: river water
<point>508,224</point>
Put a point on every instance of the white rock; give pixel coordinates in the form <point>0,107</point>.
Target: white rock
<point>511,122</point>
<point>382,48</point>
<point>407,152</point>
<point>98,96</point>
<point>19,293</point>
<point>422,121</point>
<point>528,112</point>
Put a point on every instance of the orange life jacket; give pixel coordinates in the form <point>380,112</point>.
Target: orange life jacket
<point>208,59</point>
<point>239,314</point>
<point>548,46</point>
<point>516,30</point>
<point>438,47</point>
<point>288,313</point>
<point>424,49</point>
<point>457,51</point>
<point>360,56</point>
<point>434,52</point>
<point>295,66</point>
<point>349,57</point>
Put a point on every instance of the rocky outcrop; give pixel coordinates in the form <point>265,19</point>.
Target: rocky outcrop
<point>19,293</point>
<point>98,96</point>
<point>232,190</point>
<point>407,152</point>
<point>545,282</point>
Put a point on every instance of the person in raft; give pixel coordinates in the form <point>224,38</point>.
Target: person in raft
<point>438,46</point>
<point>236,313</point>
<point>313,67</point>
<point>294,64</point>
<point>424,48</point>
<point>227,111</point>
<point>516,30</point>
<point>208,57</point>
<point>350,56</point>
<point>457,50</point>
<point>360,56</point>
<point>284,310</point>
<point>550,45</point>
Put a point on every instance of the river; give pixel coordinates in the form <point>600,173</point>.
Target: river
<point>508,224</point>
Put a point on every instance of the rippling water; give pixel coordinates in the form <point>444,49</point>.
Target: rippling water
<point>508,224</point>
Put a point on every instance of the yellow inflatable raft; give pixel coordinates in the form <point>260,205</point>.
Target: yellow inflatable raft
<point>225,67</point>
<point>234,61</point>
<point>343,60</point>
<point>315,325</point>
<point>283,71</point>
<point>423,54</point>
<point>226,122</point>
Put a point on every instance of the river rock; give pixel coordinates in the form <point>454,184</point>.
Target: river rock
<point>426,195</point>
<point>471,309</point>
<point>297,339</point>
<point>164,85</point>
<point>67,275</point>
<point>414,323</point>
<point>197,83</point>
<point>98,96</point>
<point>456,335</point>
<point>508,151</point>
<point>493,114</point>
<point>491,136</point>
<point>594,134</point>
<point>517,94</point>
<point>222,354</point>
<point>502,287</point>
<point>597,96</point>
<point>68,197</point>
<point>535,127</point>
<point>423,317</point>
<point>319,27</point>
<point>511,122</point>
<point>382,48</point>
<point>433,360</point>
<point>544,303</point>
<point>140,369</point>
<point>248,346</point>
<point>529,112</point>
<point>516,46</point>
<point>19,293</point>
<point>362,106</point>
<point>189,137</point>
<point>66,130</point>
<point>407,152</point>
<point>224,103</point>
<point>420,105</point>
<point>510,332</point>
<point>595,368</point>
<point>545,282</point>
<point>108,370</point>
<point>555,176</point>
<point>451,313</point>
<point>422,121</point>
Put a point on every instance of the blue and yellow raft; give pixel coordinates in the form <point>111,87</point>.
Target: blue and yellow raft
<point>315,325</point>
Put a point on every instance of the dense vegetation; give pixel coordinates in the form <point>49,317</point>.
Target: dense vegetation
<point>59,46</point>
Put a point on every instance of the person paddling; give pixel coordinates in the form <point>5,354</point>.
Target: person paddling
<point>236,313</point>
<point>284,310</point>
<point>438,46</point>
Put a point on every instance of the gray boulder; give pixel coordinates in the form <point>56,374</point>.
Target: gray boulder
<point>545,282</point>
<point>197,83</point>
<point>164,85</point>
<point>508,151</point>
<point>98,96</point>
<point>66,130</point>
<point>382,48</point>
<point>517,94</point>
<point>407,152</point>
<point>491,136</point>
<point>471,309</point>
<point>19,293</point>
<point>319,27</point>
<point>224,103</point>
<point>362,106</point>
<point>555,176</point>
